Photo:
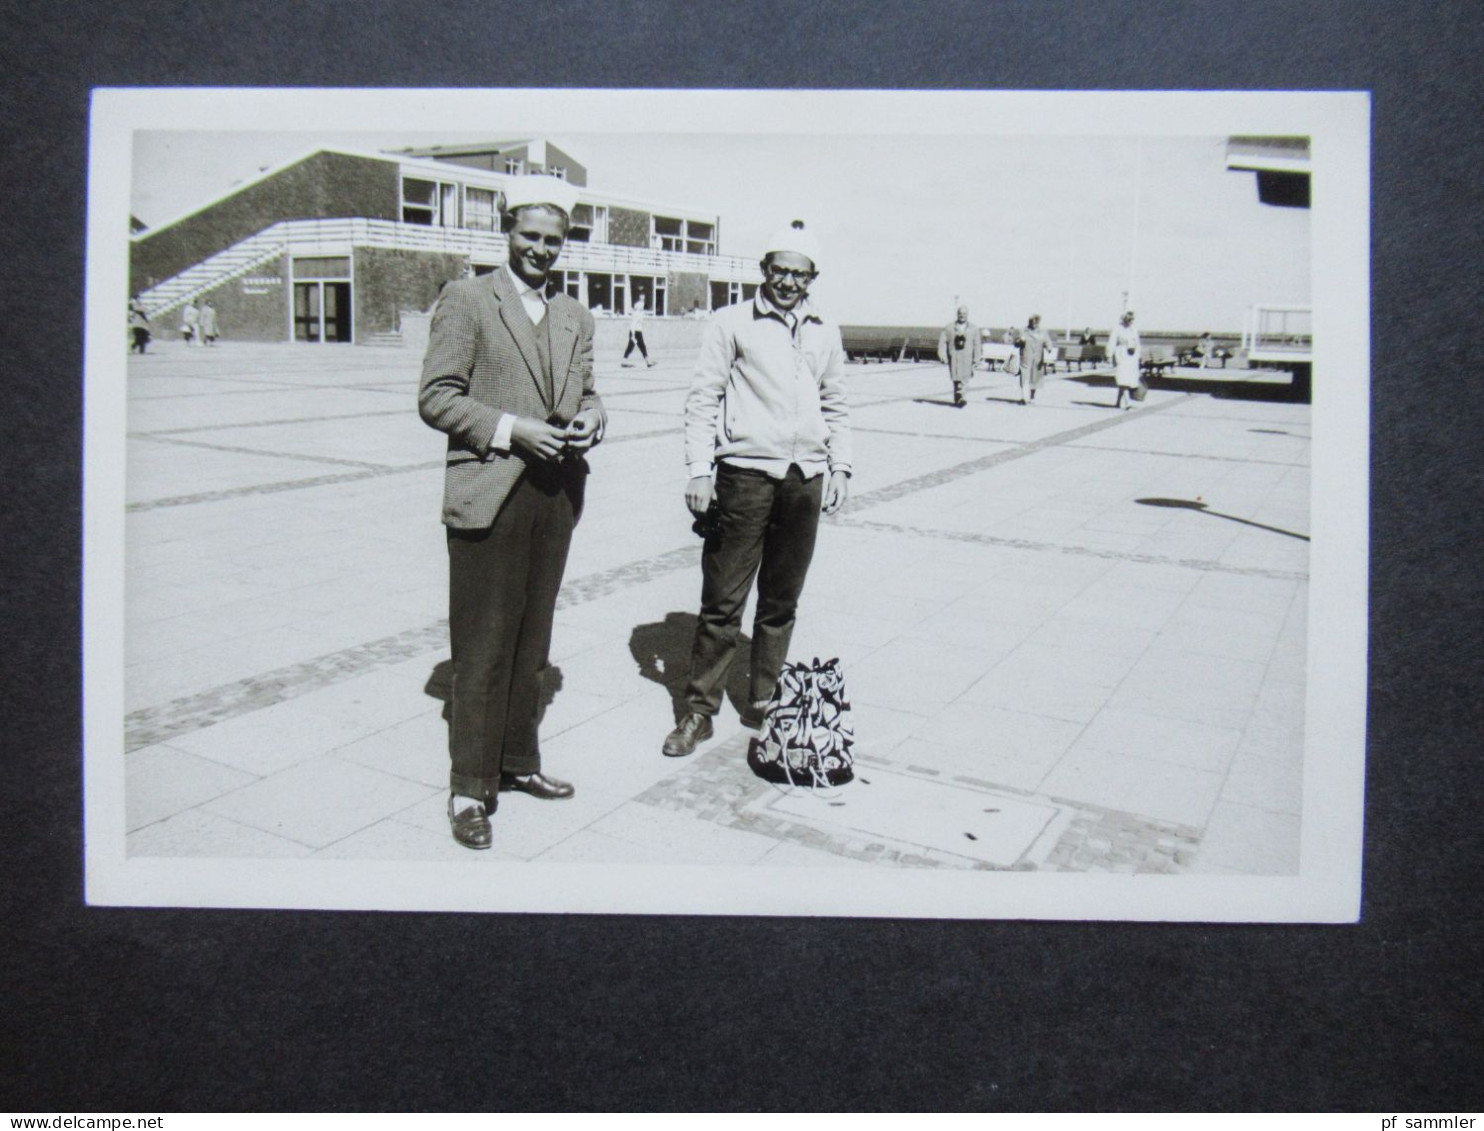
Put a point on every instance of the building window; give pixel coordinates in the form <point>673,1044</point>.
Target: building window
<point>700,238</point>
<point>479,209</point>
<point>667,234</point>
<point>514,166</point>
<point>430,203</point>
<point>569,283</point>
<point>419,201</point>
<point>581,230</point>
<point>650,288</point>
<point>558,171</point>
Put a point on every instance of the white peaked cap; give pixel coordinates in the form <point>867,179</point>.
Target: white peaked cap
<point>538,188</point>
<point>796,238</point>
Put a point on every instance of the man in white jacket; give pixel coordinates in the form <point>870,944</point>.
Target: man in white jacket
<point>767,445</point>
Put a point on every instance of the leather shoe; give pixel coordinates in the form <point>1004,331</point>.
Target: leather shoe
<point>689,731</point>
<point>470,825</point>
<point>537,785</point>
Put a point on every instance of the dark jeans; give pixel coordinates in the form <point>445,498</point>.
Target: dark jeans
<point>636,337</point>
<point>502,591</point>
<point>765,527</point>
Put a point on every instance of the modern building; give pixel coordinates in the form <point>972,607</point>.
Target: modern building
<point>339,245</point>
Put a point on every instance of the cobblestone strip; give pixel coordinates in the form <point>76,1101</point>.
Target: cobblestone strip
<point>1076,551</point>
<point>894,491</point>
<point>149,725</point>
<point>370,471</point>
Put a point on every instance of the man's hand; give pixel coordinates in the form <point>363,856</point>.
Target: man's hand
<point>836,491</point>
<point>582,433</point>
<point>537,438</point>
<point>698,495</point>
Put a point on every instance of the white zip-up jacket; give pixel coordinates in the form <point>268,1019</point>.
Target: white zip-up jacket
<point>767,395</point>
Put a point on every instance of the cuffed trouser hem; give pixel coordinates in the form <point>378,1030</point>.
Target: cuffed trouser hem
<point>467,785</point>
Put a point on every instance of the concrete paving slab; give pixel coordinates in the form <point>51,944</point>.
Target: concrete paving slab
<point>1144,735</point>
<point>392,839</point>
<point>415,749</point>
<point>161,781</point>
<point>1063,698</point>
<point>681,838</point>
<point>270,739</point>
<point>994,567</point>
<point>1253,841</point>
<point>320,801</point>
<point>991,828</point>
<point>1148,786</point>
<point>196,832</point>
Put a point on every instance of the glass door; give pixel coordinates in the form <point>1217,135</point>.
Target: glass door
<point>308,312</point>
<point>323,311</point>
<point>336,306</point>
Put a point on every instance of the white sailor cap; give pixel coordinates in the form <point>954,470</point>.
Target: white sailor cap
<point>796,238</point>
<point>538,188</point>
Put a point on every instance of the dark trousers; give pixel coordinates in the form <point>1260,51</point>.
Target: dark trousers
<point>765,528</point>
<point>636,337</point>
<point>502,591</point>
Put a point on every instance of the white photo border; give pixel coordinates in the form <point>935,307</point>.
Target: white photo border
<point>1328,885</point>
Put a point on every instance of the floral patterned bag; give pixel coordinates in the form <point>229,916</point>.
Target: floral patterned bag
<point>807,732</point>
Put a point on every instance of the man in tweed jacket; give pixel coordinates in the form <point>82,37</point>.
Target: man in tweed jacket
<point>508,376</point>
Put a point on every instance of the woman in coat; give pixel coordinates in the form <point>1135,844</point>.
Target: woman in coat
<point>1035,347</point>
<point>1123,348</point>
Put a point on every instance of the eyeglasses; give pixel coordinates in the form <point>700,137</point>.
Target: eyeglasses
<point>788,274</point>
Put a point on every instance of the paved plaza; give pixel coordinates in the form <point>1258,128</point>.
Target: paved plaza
<point>1074,637</point>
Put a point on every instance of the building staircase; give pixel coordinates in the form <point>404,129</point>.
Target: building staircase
<point>212,272</point>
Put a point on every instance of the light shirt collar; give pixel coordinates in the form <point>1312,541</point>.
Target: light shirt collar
<point>532,298</point>
<point>802,312</point>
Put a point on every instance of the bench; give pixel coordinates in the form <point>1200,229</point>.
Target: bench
<point>889,343</point>
<point>1190,357</point>
<point>1080,355</point>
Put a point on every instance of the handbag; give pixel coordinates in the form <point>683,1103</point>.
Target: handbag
<point>1139,391</point>
<point>807,731</point>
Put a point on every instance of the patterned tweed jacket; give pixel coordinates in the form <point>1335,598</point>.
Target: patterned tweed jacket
<point>482,362</point>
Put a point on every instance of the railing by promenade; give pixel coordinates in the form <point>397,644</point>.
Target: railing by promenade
<point>491,247</point>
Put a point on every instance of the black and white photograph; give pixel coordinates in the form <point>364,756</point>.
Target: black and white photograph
<point>945,505</point>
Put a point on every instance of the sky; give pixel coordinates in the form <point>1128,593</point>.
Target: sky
<point>911,225</point>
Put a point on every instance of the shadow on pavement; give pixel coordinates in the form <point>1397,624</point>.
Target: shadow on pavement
<point>1198,505</point>
<point>1221,388</point>
<point>440,686</point>
<point>662,651</point>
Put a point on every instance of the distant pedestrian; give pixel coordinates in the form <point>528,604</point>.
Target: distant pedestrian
<point>190,324</point>
<point>1123,348</point>
<point>138,325</point>
<point>1205,349</point>
<point>206,318</point>
<point>1035,346</point>
<point>636,336</point>
<point>960,346</point>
